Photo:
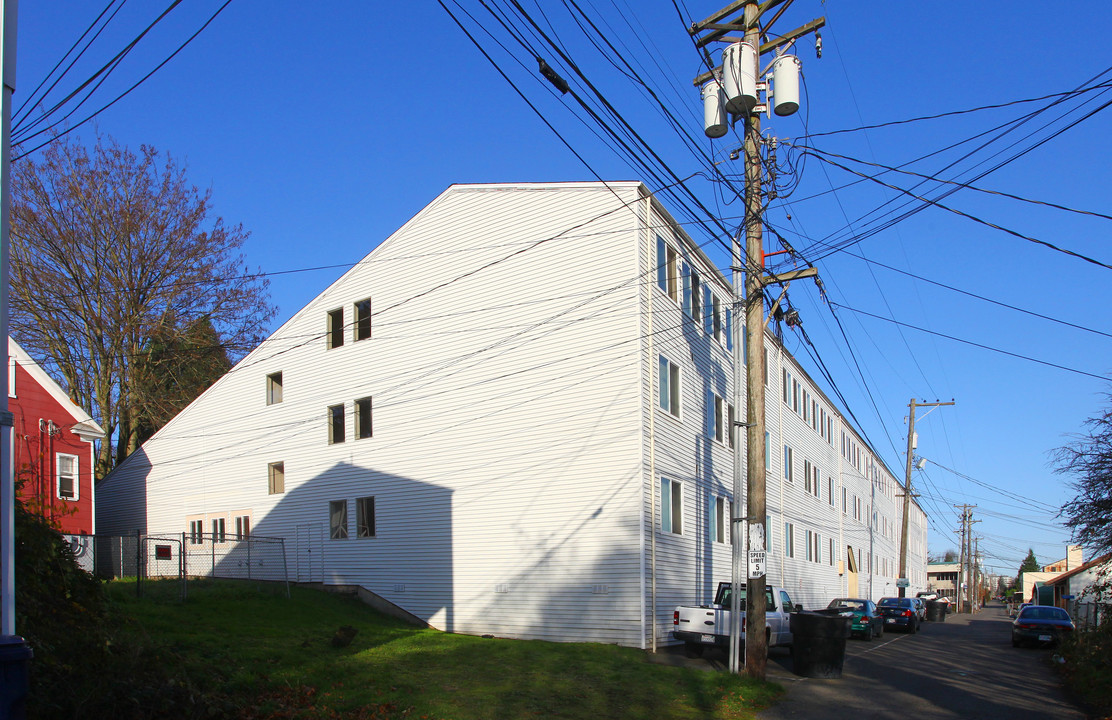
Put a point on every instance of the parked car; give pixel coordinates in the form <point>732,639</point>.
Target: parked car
<point>1019,609</point>
<point>920,608</point>
<point>709,625</point>
<point>1041,624</point>
<point>899,613</point>
<point>867,622</point>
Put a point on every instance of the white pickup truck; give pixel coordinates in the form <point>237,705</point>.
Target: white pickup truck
<point>709,625</point>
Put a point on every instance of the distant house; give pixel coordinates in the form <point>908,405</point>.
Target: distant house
<point>1034,586</point>
<point>53,450</point>
<point>1073,590</point>
<point>942,577</point>
<point>1071,561</point>
<point>514,416</point>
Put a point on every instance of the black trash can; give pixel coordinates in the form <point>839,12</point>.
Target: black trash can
<point>819,644</point>
<point>15,661</point>
<point>936,611</point>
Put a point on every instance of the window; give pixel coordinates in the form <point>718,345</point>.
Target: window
<point>785,385</point>
<point>196,532</point>
<point>729,332</point>
<point>218,530</point>
<point>335,328</point>
<point>716,318</point>
<point>768,450</point>
<point>806,406</point>
<point>816,489</point>
<point>845,502</point>
<point>789,540</point>
<point>362,330</point>
<point>830,557</point>
<point>363,418</point>
<point>807,467</point>
<point>696,297</point>
<point>856,508</point>
<point>719,520</point>
<point>338,519</point>
<point>708,310</point>
<point>68,479</point>
<point>243,527</point>
<point>364,517</point>
<point>335,424</point>
<point>814,416</point>
<point>731,424</point>
<point>795,395</point>
<point>276,478</point>
<point>666,269</point>
<point>671,506</point>
<point>788,463</point>
<point>669,381</point>
<point>274,388</point>
<point>814,548</point>
<point>830,490</point>
<point>716,421</point>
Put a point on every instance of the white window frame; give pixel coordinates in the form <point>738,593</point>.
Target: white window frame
<point>337,425</point>
<point>789,539</point>
<point>358,320</point>
<point>362,433</point>
<point>671,516</point>
<point>243,527</point>
<point>789,461</point>
<point>669,387</point>
<point>219,530</point>
<point>275,471</point>
<point>667,272</point>
<point>196,532</point>
<point>76,476</point>
<point>718,520</point>
<point>334,329</point>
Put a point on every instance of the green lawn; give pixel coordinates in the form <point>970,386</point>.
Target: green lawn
<point>240,651</point>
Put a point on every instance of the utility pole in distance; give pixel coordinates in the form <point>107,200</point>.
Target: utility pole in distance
<point>902,581</point>
<point>733,88</point>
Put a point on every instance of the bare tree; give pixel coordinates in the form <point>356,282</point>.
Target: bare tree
<point>1087,458</point>
<point>111,249</point>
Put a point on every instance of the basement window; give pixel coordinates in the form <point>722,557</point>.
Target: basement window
<point>338,519</point>
<point>365,517</point>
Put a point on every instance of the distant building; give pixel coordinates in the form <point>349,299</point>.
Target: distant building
<point>52,446</point>
<point>942,577</point>
<point>515,417</point>
<point>1071,561</point>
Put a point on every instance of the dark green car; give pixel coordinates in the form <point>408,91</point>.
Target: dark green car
<point>866,622</point>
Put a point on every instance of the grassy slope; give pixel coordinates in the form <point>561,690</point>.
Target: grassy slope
<point>260,655</point>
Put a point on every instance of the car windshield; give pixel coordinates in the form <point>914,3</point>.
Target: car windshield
<point>1036,612</point>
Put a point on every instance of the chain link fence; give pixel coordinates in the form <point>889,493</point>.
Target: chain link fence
<point>182,556</point>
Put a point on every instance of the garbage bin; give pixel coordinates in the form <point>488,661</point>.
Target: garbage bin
<point>936,611</point>
<point>819,644</point>
<point>15,660</point>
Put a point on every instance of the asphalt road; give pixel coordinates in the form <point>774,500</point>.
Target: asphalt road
<point>963,668</point>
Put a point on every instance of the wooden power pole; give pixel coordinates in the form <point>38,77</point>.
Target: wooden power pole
<point>902,581</point>
<point>749,268</point>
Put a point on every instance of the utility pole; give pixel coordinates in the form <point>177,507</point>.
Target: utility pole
<point>902,581</point>
<point>733,87</point>
<point>976,574</point>
<point>960,579</point>
<point>7,467</point>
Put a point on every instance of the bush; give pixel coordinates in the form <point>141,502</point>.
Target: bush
<point>1087,670</point>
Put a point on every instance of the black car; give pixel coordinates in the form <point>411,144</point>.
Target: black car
<point>899,613</point>
<point>1041,624</point>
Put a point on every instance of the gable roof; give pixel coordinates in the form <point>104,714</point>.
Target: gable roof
<point>84,425</point>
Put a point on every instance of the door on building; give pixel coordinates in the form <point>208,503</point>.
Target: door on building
<point>851,573</point>
<point>310,553</point>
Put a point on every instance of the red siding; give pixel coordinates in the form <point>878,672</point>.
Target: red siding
<point>36,451</point>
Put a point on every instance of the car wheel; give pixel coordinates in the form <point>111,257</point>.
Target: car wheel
<point>869,633</point>
<point>693,650</point>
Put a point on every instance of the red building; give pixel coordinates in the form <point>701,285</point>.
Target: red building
<point>53,450</point>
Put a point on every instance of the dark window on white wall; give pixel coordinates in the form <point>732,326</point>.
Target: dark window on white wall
<point>668,378</point>
<point>671,506</point>
<point>363,320</point>
<point>196,532</point>
<point>218,530</point>
<point>666,275</point>
<point>276,478</point>
<point>365,517</point>
<point>335,424</point>
<point>363,427</point>
<point>335,328</point>
<point>274,388</point>
<point>243,527</point>
<point>338,519</point>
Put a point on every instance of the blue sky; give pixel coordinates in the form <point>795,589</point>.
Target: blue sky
<point>323,127</point>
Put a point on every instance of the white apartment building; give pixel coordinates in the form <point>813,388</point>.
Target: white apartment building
<point>512,417</point>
